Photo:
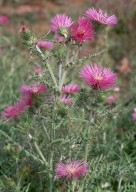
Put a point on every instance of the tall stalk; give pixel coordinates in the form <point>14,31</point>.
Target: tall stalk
<point>48,67</point>
<point>66,63</point>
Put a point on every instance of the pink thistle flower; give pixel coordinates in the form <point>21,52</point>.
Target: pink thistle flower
<point>37,70</point>
<point>71,168</point>
<point>50,99</point>
<point>59,38</point>
<point>133,115</point>
<point>23,28</point>
<point>66,99</point>
<point>45,44</point>
<point>12,111</point>
<point>100,16</point>
<point>33,89</point>
<point>82,30</point>
<point>26,100</point>
<point>98,77</point>
<point>70,88</point>
<point>111,99</point>
<point>4,19</point>
<point>61,23</point>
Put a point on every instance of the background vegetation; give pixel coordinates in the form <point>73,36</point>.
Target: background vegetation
<point>113,146</point>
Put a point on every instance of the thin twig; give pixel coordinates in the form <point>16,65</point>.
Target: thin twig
<point>89,56</point>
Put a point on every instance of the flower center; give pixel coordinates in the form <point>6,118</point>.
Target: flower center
<point>35,90</point>
<point>71,170</point>
<point>98,77</point>
<point>81,32</point>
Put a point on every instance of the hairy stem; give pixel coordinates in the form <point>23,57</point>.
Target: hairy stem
<point>40,153</point>
<point>50,175</point>
<point>22,149</point>
<point>91,119</point>
<point>48,67</point>
<point>66,63</point>
<point>60,72</point>
<point>119,184</point>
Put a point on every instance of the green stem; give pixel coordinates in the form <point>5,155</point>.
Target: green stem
<point>66,64</point>
<point>91,120</point>
<point>89,130</point>
<point>46,131</point>
<point>63,78</point>
<point>40,153</point>
<point>48,66</point>
<point>106,37</point>
<point>87,149</point>
<point>89,56</point>
<point>22,149</point>
<point>75,57</point>
<point>67,55</point>
<point>119,184</point>
<point>73,185</point>
<point>60,72</point>
<point>104,137</point>
<point>51,162</point>
<point>51,177</point>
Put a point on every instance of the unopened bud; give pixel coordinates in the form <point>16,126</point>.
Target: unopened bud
<point>23,28</point>
<point>27,36</point>
<point>64,32</point>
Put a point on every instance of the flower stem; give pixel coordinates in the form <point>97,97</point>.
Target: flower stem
<point>50,175</point>
<point>40,153</point>
<point>119,184</point>
<point>48,66</point>
<point>63,78</point>
<point>66,63</point>
<point>60,72</point>
<point>73,185</point>
<point>91,120</point>
<point>89,129</point>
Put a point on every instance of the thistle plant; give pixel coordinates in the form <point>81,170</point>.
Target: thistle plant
<point>63,114</point>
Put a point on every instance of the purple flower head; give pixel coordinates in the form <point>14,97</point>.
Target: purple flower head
<point>111,99</point>
<point>100,16</point>
<point>45,44</point>
<point>26,100</point>
<point>71,169</point>
<point>33,89</point>
<point>70,88</point>
<point>61,24</point>
<point>23,28</point>
<point>4,19</point>
<point>59,38</point>
<point>133,115</point>
<point>98,77</point>
<point>37,70</point>
<point>82,30</point>
<point>66,99</point>
<point>12,111</point>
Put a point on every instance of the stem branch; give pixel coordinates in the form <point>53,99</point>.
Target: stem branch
<point>66,63</point>
<point>48,67</point>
